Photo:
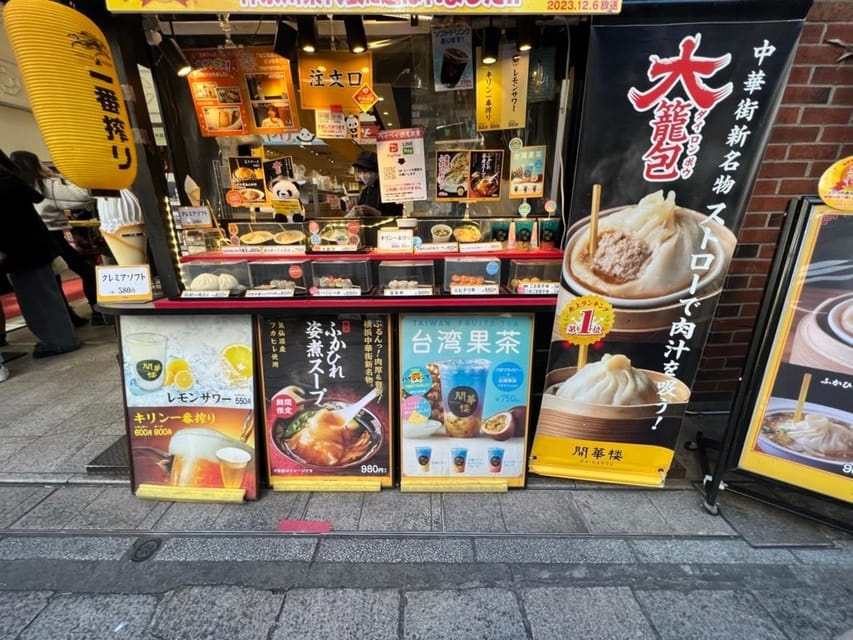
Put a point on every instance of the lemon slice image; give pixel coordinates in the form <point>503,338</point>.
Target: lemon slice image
<point>174,366</point>
<point>237,362</point>
<point>184,380</point>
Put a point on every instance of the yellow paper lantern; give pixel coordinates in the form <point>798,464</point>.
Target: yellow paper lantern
<point>74,91</point>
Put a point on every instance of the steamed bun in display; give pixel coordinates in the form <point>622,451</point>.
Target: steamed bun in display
<point>205,282</point>
<point>228,282</point>
<point>642,251</point>
<point>610,381</point>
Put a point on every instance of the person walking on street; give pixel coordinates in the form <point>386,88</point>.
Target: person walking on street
<point>26,253</point>
<point>61,196</point>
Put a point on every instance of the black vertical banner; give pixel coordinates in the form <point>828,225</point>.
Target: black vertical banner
<point>674,125</point>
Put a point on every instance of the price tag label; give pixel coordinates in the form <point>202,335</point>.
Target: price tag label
<point>123,284</point>
<point>205,294</point>
<point>474,290</point>
<point>284,250</point>
<point>539,289</point>
<point>269,293</point>
<point>337,293</point>
<point>480,247</point>
<point>241,250</point>
<point>418,291</point>
<point>401,240</point>
<point>437,247</point>
<point>193,217</point>
<point>333,248</point>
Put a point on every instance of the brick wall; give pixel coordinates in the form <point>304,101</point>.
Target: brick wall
<point>814,128</point>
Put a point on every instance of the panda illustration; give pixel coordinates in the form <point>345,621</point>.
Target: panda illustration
<point>352,125</point>
<point>283,188</point>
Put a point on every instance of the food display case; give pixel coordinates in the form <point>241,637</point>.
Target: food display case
<point>406,277</point>
<point>278,278</point>
<point>472,276</point>
<point>265,234</point>
<point>533,277</point>
<point>340,278</point>
<point>334,236</point>
<point>228,277</point>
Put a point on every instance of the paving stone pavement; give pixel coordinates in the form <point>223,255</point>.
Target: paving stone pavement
<point>80,557</point>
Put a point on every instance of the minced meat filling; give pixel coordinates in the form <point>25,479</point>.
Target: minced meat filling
<point>618,257</point>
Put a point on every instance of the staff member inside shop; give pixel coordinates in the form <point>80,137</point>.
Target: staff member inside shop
<point>369,200</point>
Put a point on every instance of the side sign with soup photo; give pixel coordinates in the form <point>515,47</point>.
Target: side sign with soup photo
<point>326,402</point>
<point>801,429</point>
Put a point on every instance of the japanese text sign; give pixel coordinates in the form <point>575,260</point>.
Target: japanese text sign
<point>333,78</point>
<point>464,393</point>
<point>502,91</point>
<point>400,7</point>
<point>78,102</point>
<point>123,284</point>
<point>313,367</point>
<point>402,167</point>
<point>694,103</point>
<point>189,395</point>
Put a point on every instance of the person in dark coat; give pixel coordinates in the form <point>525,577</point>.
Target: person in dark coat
<point>369,200</point>
<point>27,252</point>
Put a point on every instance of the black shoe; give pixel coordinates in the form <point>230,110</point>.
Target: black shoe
<point>98,319</point>
<point>77,321</point>
<point>3,342</point>
<point>41,351</point>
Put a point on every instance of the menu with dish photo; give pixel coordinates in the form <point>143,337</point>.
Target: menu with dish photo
<point>801,427</point>
<point>329,422</point>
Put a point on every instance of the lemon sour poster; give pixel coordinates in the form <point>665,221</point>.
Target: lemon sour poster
<point>464,400</point>
<point>189,397</point>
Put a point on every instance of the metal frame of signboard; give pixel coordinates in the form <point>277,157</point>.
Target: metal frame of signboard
<point>730,448</point>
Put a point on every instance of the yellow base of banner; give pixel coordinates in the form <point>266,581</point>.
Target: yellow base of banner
<point>372,485</point>
<point>189,494</point>
<point>448,485</point>
<point>636,464</point>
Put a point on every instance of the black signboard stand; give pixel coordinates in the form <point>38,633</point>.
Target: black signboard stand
<point>728,474</point>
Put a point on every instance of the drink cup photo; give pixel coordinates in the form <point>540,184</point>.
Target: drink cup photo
<point>453,66</point>
<point>463,387</point>
<point>496,459</point>
<point>232,466</point>
<point>147,355</point>
<point>423,455</point>
<point>459,457</point>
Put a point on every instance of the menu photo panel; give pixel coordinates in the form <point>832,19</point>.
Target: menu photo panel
<point>189,397</point>
<point>464,400</point>
<point>324,382</point>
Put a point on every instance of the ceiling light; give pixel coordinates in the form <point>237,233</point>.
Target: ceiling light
<point>175,57</point>
<point>491,41</point>
<point>286,38</point>
<point>307,26</point>
<point>356,36</point>
<point>527,34</point>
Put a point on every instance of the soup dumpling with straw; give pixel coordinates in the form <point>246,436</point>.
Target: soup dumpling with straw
<point>611,381</point>
<point>641,251</point>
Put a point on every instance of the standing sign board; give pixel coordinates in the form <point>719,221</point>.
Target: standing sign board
<point>324,382</point>
<point>464,393</point>
<point>801,426</point>
<point>674,123</point>
<point>189,397</point>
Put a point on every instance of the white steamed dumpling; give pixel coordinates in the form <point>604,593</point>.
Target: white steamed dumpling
<point>205,282</point>
<point>611,381</point>
<point>642,251</point>
<point>228,282</point>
